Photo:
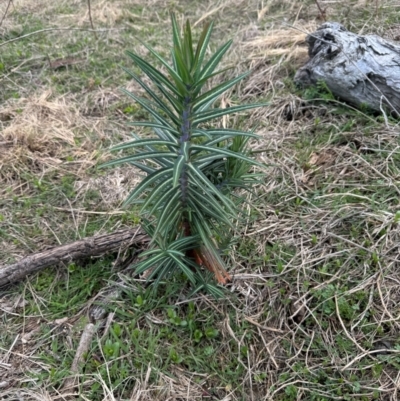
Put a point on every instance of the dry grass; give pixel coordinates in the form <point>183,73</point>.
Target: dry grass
<point>314,313</point>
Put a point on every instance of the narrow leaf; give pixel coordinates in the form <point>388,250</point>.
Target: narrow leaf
<point>143,167</point>
<point>153,73</point>
<point>215,113</point>
<point>177,79</point>
<point>214,60</point>
<point>182,68</point>
<point>142,142</point>
<point>228,153</point>
<point>175,32</point>
<point>148,263</point>
<point>196,172</point>
<point>224,132</point>
<point>141,156</point>
<point>146,182</point>
<point>163,199</point>
<point>214,93</point>
<point>147,107</point>
<point>155,125</point>
<point>178,167</point>
<point>169,215</point>
<point>202,45</point>
<point>154,96</point>
<point>156,195</point>
<point>185,269</point>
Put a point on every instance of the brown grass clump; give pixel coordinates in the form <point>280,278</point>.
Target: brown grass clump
<point>41,133</point>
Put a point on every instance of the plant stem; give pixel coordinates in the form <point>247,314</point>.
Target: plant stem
<point>186,128</point>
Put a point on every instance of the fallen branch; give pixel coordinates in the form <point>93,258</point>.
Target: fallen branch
<point>84,345</point>
<point>91,246</point>
<point>362,70</point>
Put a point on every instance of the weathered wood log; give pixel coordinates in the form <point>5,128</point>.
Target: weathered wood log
<point>91,246</point>
<point>362,70</point>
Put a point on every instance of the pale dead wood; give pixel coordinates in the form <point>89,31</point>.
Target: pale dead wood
<point>362,70</point>
<point>83,347</point>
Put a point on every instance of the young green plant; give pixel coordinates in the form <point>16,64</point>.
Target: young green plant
<point>192,165</point>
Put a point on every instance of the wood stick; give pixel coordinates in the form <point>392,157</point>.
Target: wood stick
<point>91,246</point>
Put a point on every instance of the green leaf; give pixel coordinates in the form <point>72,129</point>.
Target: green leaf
<point>222,132</point>
<point>182,68</point>
<point>156,97</point>
<point>156,76</point>
<point>141,156</point>
<point>228,153</point>
<point>147,107</point>
<point>177,79</point>
<point>214,60</point>
<point>175,32</point>
<point>194,171</point>
<point>171,99</point>
<point>201,49</point>
<point>217,141</point>
<point>178,167</point>
<point>209,206</point>
<point>143,167</point>
<point>200,83</point>
<point>165,270</point>
<point>185,269</point>
<point>168,213</point>
<point>185,243</point>
<point>156,195</point>
<point>188,47</point>
<point>155,125</point>
<point>149,180</point>
<point>213,94</point>
<point>149,262</point>
<point>215,113</point>
<point>143,142</point>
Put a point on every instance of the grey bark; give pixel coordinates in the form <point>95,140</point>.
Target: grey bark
<point>362,70</point>
<point>91,246</point>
